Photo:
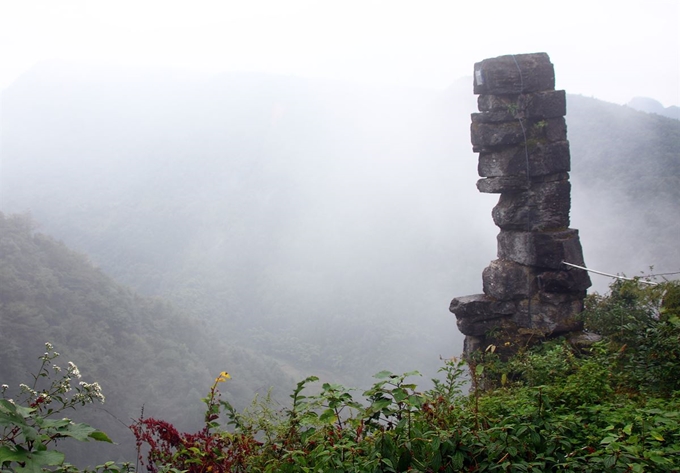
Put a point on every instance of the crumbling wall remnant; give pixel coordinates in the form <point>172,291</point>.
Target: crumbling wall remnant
<point>521,137</point>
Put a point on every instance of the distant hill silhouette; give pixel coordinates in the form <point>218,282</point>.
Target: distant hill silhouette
<point>645,104</point>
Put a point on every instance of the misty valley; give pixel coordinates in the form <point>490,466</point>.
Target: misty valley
<point>159,227</point>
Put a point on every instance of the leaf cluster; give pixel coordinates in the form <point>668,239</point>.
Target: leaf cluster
<point>28,429</point>
<point>556,406</point>
<point>641,323</point>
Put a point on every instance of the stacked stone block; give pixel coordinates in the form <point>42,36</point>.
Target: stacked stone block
<point>521,137</point>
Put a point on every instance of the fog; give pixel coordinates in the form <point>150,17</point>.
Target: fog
<point>425,45</point>
<point>297,180</point>
<point>306,207</point>
<point>322,223</point>
<point>304,226</point>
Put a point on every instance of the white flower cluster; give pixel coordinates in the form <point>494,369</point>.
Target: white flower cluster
<point>28,390</point>
<point>49,353</point>
<point>63,386</point>
<point>32,394</point>
<point>72,370</point>
<point>89,392</point>
<point>85,393</point>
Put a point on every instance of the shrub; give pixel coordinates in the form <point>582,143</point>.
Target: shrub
<point>28,428</point>
<point>642,326</point>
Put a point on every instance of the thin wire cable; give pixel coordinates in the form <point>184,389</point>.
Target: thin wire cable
<point>521,80</point>
<point>663,274</point>
<point>615,276</point>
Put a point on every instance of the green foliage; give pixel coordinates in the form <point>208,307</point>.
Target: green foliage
<point>612,406</point>
<point>553,407</point>
<point>144,350</point>
<point>639,351</point>
<point>396,428</point>
<point>327,431</point>
<point>641,323</point>
<point>28,429</point>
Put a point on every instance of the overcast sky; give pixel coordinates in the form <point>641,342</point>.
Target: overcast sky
<point>612,50</point>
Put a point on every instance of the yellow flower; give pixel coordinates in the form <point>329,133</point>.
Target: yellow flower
<point>222,377</point>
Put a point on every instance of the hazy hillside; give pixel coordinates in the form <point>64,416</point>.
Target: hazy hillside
<point>626,186</point>
<point>141,350</point>
<point>645,104</point>
<point>313,220</point>
<point>326,225</point>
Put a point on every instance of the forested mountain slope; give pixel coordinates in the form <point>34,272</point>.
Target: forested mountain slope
<point>141,350</point>
<point>626,186</point>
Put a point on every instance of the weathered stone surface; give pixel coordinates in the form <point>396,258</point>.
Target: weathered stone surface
<point>562,176</point>
<point>547,131</point>
<point>496,185</point>
<point>521,135</point>
<point>477,314</point>
<point>541,249</point>
<point>471,344</point>
<point>514,74</point>
<point>551,319</point>
<point>546,104</point>
<point>507,280</point>
<point>567,280</point>
<point>560,297</point>
<point>544,206</point>
<point>538,160</point>
<point>487,136</point>
<point>478,328</point>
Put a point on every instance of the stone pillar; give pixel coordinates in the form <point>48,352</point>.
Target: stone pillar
<point>521,137</point>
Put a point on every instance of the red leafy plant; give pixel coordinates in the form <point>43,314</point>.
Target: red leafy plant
<point>209,450</point>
